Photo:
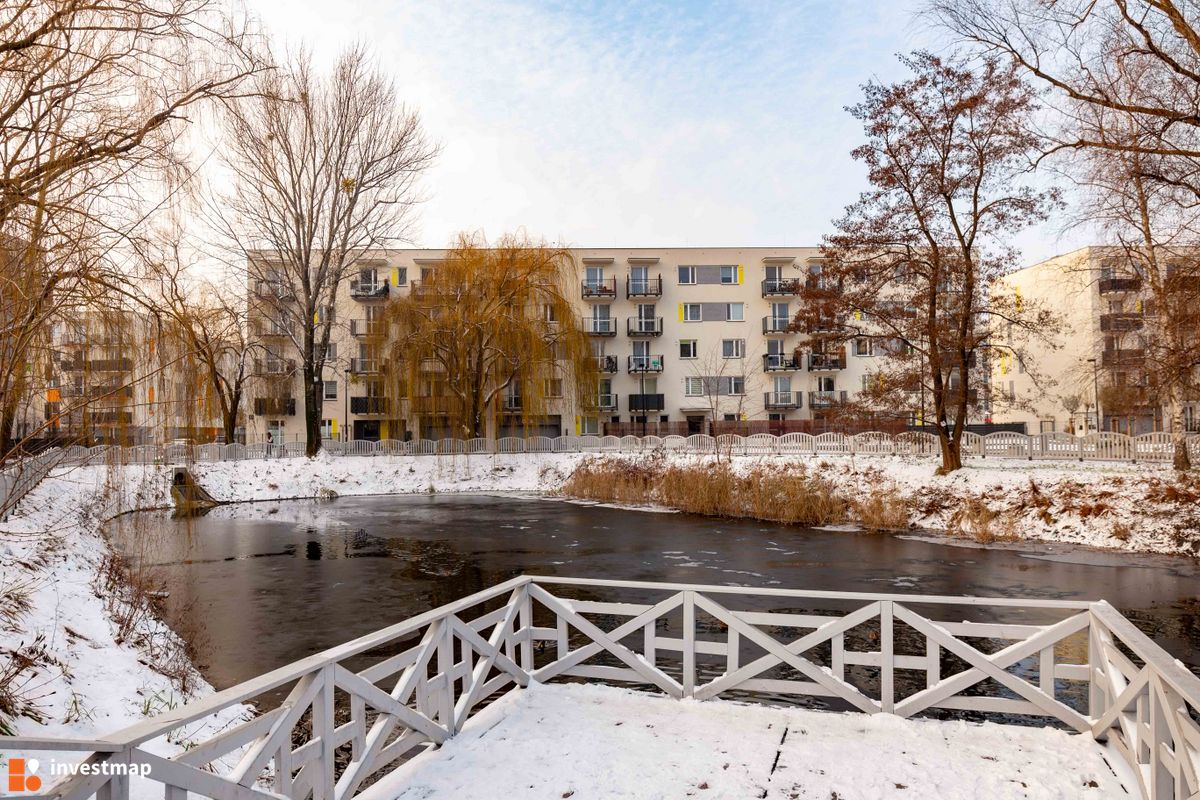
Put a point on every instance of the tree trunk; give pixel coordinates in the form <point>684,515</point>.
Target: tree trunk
<point>312,412</point>
<point>1181,461</point>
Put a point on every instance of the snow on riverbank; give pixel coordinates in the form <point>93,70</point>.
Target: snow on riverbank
<point>82,681</point>
<point>592,742</point>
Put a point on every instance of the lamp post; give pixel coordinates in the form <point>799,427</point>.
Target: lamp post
<point>1096,390</point>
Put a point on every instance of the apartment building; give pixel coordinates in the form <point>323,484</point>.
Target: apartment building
<point>683,337</point>
<point>113,378</point>
<point>1100,353</point>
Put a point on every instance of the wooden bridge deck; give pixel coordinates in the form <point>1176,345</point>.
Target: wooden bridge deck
<point>588,741</point>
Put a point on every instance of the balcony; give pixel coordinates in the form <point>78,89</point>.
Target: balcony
<point>823,362</point>
<point>369,405</point>
<point>373,290</point>
<point>366,327</point>
<point>774,400</point>
<point>606,364</point>
<point>607,402</point>
<point>272,330</point>
<point>643,287</point>
<point>1119,285</point>
<point>275,406</point>
<point>826,399</point>
<point>780,362</point>
<point>275,366</point>
<point>781,288</point>
<point>776,325</point>
<point>644,326</point>
<point>364,366</point>
<point>273,290</point>
<point>822,326</point>
<point>1115,323</point>
<point>601,289</point>
<point>1122,358</point>
<point>639,403</point>
<point>598,326</point>
<point>642,364</point>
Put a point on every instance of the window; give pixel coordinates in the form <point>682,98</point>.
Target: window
<point>733,348</point>
<point>691,312</point>
<point>687,276</point>
<point>734,384</point>
<point>594,277</point>
<point>1047,425</point>
<point>326,429</point>
<point>326,312</point>
<point>687,348</point>
<point>693,387</point>
<point>862,347</point>
<point>729,275</point>
<point>548,313</point>
<point>554,387</point>
<point>401,276</point>
<point>331,352</point>
<point>825,384</point>
<point>330,390</point>
<point>735,312</point>
<point>589,426</point>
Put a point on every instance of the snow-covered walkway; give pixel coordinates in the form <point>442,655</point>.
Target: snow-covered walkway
<point>589,742</point>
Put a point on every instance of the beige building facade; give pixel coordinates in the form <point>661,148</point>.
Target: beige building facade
<point>684,337</point>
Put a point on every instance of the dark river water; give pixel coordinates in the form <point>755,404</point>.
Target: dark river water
<point>257,586</point>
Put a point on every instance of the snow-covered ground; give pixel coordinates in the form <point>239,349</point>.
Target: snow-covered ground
<point>591,742</point>
<point>84,682</point>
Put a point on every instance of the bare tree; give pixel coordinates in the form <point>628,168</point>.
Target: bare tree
<point>491,332</point>
<point>93,97</point>
<point>913,262</point>
<point>720,377</point>
<point>324,171</point>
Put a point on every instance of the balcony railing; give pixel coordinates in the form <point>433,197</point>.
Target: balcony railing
<point>374,290</point>
<point>644,326</point>
<point>601,289</point>
<point>274,290</point>
<point>782,399</point>
<point>1122,358</point>
<point>596,326</point>
<point>776,324</point>
<point>646,402</point>
<point>275,406</point>
<point>780,362</point>
<point>369,405</point>
<point>364,366</point>
<point>1115,285</point>
<point>826,399</point>
<point>607,402</point>
<point>820,362</point>
<point>273,330</point>
<point>606,364</point>
<point>822,326</point>
<point>643,287</point>
<point>1115,323</point>
<point>643,364</point>
<point>774,287</point>
<point>275,366</point>
<point>366,327</point>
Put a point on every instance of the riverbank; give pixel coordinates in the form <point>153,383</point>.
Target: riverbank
<point>85,654</point>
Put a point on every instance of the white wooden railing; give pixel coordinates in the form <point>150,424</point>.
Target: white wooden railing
<point>353,712</point>
<point>1045,446</point>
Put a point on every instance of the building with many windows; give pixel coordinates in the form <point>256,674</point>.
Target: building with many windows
<point>1095,373</point>
<point>683,338</point>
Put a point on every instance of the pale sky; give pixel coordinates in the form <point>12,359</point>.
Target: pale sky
<point>632,124</point>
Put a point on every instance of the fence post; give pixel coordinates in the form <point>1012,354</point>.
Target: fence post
<point>526,622</point>
<point>322,725</point>
<point>689,643</point>
<point>887,691</point>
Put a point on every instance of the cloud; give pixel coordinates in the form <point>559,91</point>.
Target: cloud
<point>629,123</point>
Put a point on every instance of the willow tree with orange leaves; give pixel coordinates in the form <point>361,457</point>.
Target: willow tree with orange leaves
<point>489,332</point>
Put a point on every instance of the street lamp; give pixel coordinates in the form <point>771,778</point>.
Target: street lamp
<point>1096,390</point>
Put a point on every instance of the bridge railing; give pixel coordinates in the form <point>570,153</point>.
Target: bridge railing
<point>1149,447</point>
<point>413,685</point>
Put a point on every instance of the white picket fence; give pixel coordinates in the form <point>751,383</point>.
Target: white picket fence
<point>1045,446</point>
<point>414,684</point>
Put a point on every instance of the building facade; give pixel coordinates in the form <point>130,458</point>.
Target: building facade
<point>1100,353</point>
<point>683,338</point>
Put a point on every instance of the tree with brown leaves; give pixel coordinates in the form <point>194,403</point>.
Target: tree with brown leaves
<point>912,262</point>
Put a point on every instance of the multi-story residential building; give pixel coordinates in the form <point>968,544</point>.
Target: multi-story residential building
<point>683,337</point>
<point>1100,352</point>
